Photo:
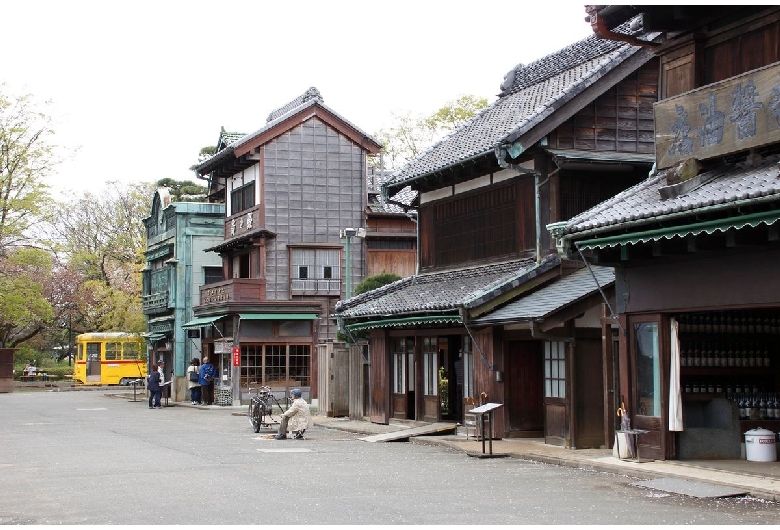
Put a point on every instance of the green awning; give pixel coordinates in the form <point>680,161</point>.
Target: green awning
<point>716,225</point>
<point>277,316</point>
<point>200,322</point>
<point>402,322</point>
<point>153,337</point>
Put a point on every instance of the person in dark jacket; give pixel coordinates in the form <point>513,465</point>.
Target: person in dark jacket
<point>155,390</point>
<point>206,381</point>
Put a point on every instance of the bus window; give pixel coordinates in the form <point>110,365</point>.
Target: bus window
<point>113,351</point>
<point>131,350</point>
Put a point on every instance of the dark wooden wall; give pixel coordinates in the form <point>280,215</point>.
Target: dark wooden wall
<point>721,51</point>
<point>379,378</point>
<point>493,222</point>
<point>619,120</point>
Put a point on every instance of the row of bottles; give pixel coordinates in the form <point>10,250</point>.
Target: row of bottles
<point>713,386</point>
<point>758,406</point>
<point>720,355</point>
<point>730,322</point>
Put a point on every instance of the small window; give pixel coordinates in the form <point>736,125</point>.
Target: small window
<point>555,369</point>
<point>212,275</point>
<point>327,273</point>
<point>303,273</point>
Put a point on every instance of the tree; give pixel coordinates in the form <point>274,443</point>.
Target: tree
<point>27,157</point>
<point>408,136</point>
<point>183,190</point>
<point>102,239</point>
<point>25,278</point>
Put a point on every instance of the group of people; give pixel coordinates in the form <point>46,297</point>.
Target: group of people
<point>200,382</point>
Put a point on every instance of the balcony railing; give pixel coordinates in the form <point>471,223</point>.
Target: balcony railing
<point>154,302</point>
<point>316,286</point>
<point>234,290</point>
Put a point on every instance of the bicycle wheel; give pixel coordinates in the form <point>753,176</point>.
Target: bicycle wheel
<point>255,415</point>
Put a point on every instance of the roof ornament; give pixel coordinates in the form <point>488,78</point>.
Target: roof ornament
<point>509,79</point>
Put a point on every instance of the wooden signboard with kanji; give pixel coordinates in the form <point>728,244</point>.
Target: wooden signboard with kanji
<point>740,113</point>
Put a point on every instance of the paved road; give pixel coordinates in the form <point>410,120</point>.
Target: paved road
<point>85,458</point>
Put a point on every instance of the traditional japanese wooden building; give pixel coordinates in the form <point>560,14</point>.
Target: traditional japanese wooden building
<point>493,314</point>
<point>293,191</point>
<point>696,244</point>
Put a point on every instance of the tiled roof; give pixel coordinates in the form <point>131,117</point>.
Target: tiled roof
<point>553,297</point>
<point>722,188</point>
<point>432,292</point>
<point>309,95</point>
<point>226,138</point>
<point>530,94</point>
<point>375,179</point>
<point>310,98</point>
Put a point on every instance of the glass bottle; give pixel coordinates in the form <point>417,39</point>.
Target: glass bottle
<point>742,407</point>
<point>765,357</point>
<point>730,355</point>
<point>709,361</point>
<point>711,387</point>
<point>683,354</point>
<point>751,356</point>
<point>696,358</point>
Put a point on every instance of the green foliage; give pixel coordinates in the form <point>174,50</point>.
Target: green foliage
<point>408,136</point>
<point>184,190</point>
<point>26,159</point>
<point>374,282</point>
<point>25,275</point>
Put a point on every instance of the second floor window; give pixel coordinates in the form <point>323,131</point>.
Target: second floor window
<point>315,269</point>
<point>242,198</point>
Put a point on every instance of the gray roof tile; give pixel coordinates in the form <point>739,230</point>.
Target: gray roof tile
<point>535,92</point>
<point>308,99</point>
<point>553,297</point>
<point>722,188</point>
<point>432,292</point>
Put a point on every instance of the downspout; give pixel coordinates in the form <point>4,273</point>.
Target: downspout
<point>515,150</point>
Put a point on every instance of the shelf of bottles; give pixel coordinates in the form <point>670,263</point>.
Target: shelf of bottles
<point>732,354</point>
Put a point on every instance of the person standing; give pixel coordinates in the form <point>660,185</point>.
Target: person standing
<point>298,417</point>
<point>193,380</point>
<point>206,382</point>
<point>155,390</point>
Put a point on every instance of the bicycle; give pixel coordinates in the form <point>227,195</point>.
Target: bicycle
<point>261,408</point>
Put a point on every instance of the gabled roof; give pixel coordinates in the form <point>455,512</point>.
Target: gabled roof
<point>281,120</point>
<point>530,94</point>
<point>443,291</point>
<point>718,191</point>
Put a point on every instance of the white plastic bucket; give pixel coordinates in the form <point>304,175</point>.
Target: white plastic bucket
<point>760,445</point>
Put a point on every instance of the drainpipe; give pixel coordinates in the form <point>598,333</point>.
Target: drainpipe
<point>515,150</point>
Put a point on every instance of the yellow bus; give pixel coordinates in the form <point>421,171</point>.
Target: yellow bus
<point>111,358</point>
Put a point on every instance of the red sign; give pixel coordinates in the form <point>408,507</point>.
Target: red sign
<point>237,356</point>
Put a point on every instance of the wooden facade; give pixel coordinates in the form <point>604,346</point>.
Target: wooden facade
<point>718,287</point>
<point>484,212</point>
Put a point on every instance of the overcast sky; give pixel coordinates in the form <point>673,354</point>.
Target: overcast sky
<point>139,87</point>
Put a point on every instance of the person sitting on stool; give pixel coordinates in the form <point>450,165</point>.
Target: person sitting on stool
<point>297,416</point>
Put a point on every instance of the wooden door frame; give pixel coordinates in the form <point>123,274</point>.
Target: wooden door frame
<point>652,423</point>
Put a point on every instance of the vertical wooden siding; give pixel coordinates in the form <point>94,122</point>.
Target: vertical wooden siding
<point>496,221</point>
<point>379,375</point>
<point>619,120</point>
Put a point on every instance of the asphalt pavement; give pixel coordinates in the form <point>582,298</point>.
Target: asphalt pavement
<point>758,479</point>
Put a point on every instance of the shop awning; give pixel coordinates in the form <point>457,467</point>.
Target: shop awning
<point>402,322</point>
<point>200,322</point>
<point>715,225</point>
<point>277,316</point>
<point>152,337</point>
